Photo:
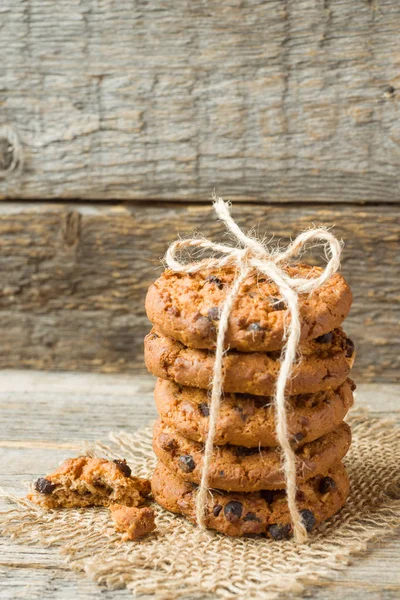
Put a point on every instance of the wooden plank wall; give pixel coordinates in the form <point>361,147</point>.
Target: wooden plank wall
<point>118,119</point>
<point>280,100</point>
<point>75,277</point>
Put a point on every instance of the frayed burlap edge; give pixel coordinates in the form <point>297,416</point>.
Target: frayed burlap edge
<point>181,560</point>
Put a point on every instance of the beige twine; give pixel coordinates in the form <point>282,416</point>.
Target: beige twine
<point>255,256</point>
<point>180,560</point>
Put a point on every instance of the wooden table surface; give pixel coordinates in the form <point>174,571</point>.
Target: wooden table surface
<point>45,417</point>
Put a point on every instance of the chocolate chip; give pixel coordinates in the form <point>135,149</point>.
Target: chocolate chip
<point>233,511</point>
<point>243,451</point>
<point>297,437</point>
<point>352,385</point>
<point>242,414</point>
<point>300,496</point>
<point>221,473</point>
<point>204,409</point>
<point>277,303</point>
<point>326,485</point>
<point>308,519</point>
<point>123,467</point>
<point>186,463</point>
<point>280,532</point>
<point>101,485</point>
<point>215,280</point>
<point>217,509</point>
<point>167,443</point>
<point>44,486</point>
<point>214,313</point>
<point>251,517</point>
<point>349,348</point>
<point>255,327</point>
<point>326,338</point>
<point>204,326</point>
<point>267,495</point>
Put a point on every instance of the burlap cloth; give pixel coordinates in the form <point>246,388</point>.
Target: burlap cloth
<point>181,560</point>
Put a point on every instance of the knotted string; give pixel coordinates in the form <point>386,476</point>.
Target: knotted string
<point>250,256</point>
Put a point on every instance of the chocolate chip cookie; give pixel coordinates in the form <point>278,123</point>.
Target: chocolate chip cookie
<point>264,512</point>
<point>186,307</point>
<point>86,481</point>
<point>236,468</point>
<point>325,363</point>
<point>249,421</point>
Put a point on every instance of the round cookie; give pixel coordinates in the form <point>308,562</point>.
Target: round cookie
<point>249,421</point>
<point>264,513</point>
<point>239,469</point>
<point>185,306</point>
<point>324,364</point>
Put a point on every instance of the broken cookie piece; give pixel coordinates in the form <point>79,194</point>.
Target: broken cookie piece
<point>133,522</point>
<point>86,481</point>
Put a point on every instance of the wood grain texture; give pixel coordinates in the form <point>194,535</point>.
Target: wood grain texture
<point>281,100</point>
<point>44,411</point>
<point>74,278</point>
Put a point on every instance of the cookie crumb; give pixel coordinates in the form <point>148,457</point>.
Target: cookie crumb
<point>133,522</point>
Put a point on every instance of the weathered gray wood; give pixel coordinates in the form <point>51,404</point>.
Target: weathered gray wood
<point>74,278</point>
<point>278,100</point>
<point>46,417</point>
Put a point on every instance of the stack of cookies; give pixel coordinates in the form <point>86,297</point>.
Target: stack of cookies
<point>247,485</point>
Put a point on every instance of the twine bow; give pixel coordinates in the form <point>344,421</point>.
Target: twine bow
<point>250,256</point>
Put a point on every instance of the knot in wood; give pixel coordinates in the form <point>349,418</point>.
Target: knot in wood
<point>6,154</point>
<point>389,91</point>
<point>11,153</point>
